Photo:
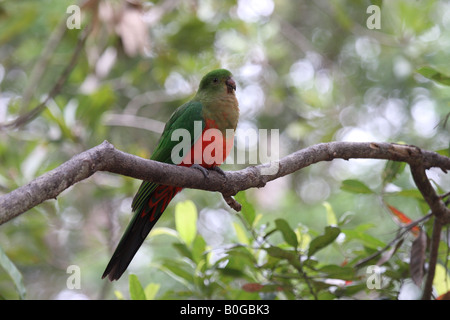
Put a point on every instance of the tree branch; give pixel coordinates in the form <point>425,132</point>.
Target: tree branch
<point>105,157</point>
<point>437,206</point>
<point>434,251</point>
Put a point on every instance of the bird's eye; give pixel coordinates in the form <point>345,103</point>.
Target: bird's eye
<point>215,80</point>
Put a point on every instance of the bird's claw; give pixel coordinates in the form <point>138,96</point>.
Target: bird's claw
<point>205,171</point>
<point>219,171</point>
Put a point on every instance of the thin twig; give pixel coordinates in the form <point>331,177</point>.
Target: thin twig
<point>232,203</point>
<point>29,116</point>
<point>400,235</point>
<point>445,195</point>
<point>42,63</point>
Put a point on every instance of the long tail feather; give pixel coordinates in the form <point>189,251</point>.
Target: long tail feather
<point>143,221</point>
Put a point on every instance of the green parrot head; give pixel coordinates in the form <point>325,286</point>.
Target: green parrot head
<point>217,83</point>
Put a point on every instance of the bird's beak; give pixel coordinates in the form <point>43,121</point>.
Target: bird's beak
<point>231,85</point>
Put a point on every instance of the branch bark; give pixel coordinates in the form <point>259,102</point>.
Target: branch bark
<point>434,251</point>
<point>105,157</point>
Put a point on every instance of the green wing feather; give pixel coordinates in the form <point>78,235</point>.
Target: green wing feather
<point>184,117</point>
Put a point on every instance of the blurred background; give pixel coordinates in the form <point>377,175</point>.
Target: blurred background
<point>318,71</point>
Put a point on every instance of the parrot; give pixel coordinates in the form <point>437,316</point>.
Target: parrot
<point>214,107</point>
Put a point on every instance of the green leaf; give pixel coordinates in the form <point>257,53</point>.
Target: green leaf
<point>426,72</point>
<point>183,250</point>
<point>240,233</point>
<point>351,289</point>
<point>392,170</point>
<point>248,211</point>
<point>13,272</point>
<point>366,239</point>
<point>136,290</point>
<point>355,186</point>
<point>434,75</point>
<point>175,270</point>
<point>235,263</point>
<point>410,193</point>
<point>118,295</point>
<point>279,253</point>
<point>304,238</point>
<point>324,240</point>
<point>186,221</point>
<point>163,231</point>
<point>338,272</point>
<point>331,216</point>
<point>13,27</point>
<point>288,234</point>
<point>444,152</point>
<point>291,256</point>
<point>378,3</point>
<point>151,290</point>
<point>198,248</point>
<point>181,40</point>
<point>243,254</point>
<point>441,279</point>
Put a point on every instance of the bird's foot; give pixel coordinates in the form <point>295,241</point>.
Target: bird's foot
<point>205,171</point>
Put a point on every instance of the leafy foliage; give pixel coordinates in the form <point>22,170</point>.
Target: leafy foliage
<point>260,266</point>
